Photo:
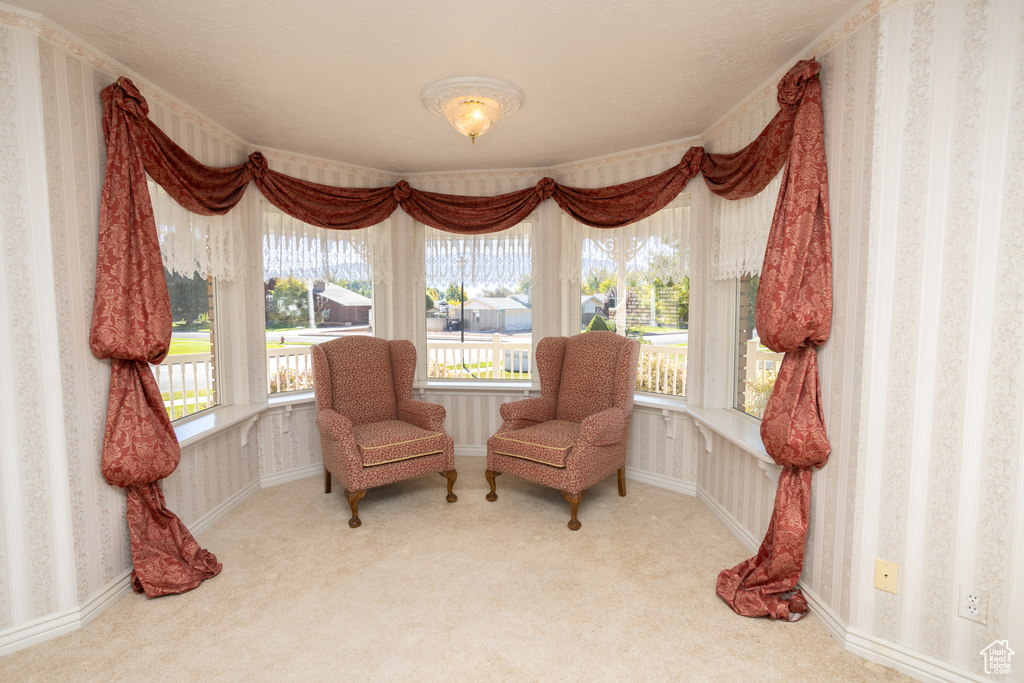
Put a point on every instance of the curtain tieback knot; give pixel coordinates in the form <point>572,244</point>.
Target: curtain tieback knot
<point>693,160</point>
<point>258,165</point>
<point>791,87</point>
<point>401,191</point>
<point>545,188</point>
<point>128,99</point>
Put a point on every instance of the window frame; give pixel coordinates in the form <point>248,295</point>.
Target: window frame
<point>424,379</point>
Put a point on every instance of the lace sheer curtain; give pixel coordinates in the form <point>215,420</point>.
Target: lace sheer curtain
<point>190,243</point>
<point>657,246</point>
<point>295,249</point>
<point>499,258</point>
<point>740,232</point>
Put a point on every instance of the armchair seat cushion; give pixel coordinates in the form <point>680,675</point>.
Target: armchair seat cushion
<point>548,442</point>
<point>394,440</point>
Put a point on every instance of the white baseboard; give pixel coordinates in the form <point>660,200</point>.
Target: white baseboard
<point>726,518</point>
<point>51,626</point>
<point>477,451</point>
<point>278,478</point>
<point>921,666</point>
<point>204,522</point>
<point>105,598</point>
<point>58,624</point>
<point>662,481</point>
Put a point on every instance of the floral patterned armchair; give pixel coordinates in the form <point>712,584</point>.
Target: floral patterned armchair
<point>372,432</point>
<point>575,433</point>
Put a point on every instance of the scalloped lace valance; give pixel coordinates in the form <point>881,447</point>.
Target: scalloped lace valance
<point>497,258</point>
<point>292,248</point>
<point>657,246</point>
<point>740,232</point>
<point>190,243</point>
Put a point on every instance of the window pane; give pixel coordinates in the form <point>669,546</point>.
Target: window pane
<point>756,366</point>
<point>301,313</point>
<point>318,285</point>
<point>188,376</point>
<point>634,282</point>
<point>479,303</point>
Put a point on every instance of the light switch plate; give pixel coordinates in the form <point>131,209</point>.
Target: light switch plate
<point>886,574</point>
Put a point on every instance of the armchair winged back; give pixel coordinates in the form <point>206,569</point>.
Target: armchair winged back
<point>372,432</point>
<point>576,432</point>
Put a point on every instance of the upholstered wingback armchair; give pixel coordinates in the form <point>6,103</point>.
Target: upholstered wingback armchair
<point>372,432</point>
<point>575,433</point>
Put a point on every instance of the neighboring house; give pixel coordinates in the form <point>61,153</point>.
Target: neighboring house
<point>494,313</point>
<point>591,305</point>
<point>343,306</point>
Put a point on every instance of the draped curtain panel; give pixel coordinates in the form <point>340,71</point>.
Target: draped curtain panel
<point>132,324</point>
<point>793,314</point>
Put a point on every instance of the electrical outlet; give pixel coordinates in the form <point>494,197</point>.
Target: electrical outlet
<point>886,574</point>
<point>972,604</point>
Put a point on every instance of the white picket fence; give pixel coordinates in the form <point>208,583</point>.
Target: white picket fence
<point>186,373</point>
<point>482,360</point>
<point>760,361</point>
<point>662,370</point>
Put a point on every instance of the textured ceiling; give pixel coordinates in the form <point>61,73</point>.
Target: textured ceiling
<point>341,79</point>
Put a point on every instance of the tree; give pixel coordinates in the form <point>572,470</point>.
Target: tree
<point>430,301</point>
<point>451,295</point>
<point>599,323</point>
<point>497,291</point>
<point>190,301</point>
<point>592,283</point>
<point>524,284</point>
<point>290,303</point>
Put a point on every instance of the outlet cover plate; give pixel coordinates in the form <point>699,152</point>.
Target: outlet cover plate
<point>886,575</point>
<point>972,604</point>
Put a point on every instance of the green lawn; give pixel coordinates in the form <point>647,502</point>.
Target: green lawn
<point>647,329</point>
<point>182,346</point>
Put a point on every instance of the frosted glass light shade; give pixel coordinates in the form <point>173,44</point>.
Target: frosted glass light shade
<point>472,104</point>
<point>472,116</point>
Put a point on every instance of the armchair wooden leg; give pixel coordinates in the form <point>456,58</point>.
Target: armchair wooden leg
<point>574,505</point>
<point>327,481</point>
<point>491,474</point>
<point>622,481</point>
<point>353,502</point>
<point>451,475</point>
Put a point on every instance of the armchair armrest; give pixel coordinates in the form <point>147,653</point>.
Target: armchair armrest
<point>604,428</point>
<point>536,409</point>
<point>423,414</point>
<point>335,425</point>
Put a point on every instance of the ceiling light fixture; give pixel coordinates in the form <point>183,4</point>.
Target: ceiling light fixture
<point>472,104</point>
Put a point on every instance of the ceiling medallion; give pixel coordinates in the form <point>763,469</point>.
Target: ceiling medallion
<point>472,104</point>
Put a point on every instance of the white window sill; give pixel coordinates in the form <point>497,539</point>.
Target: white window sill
<point>290,398</point>
<point>209,422</point>
<point>482,385</point>
<point>672,403</point>
<point>734,427</point>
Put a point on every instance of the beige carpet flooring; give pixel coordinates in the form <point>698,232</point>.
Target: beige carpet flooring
<point>427,590</point>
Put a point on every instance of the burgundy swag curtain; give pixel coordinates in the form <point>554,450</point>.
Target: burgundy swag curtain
<point>132,323</point>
